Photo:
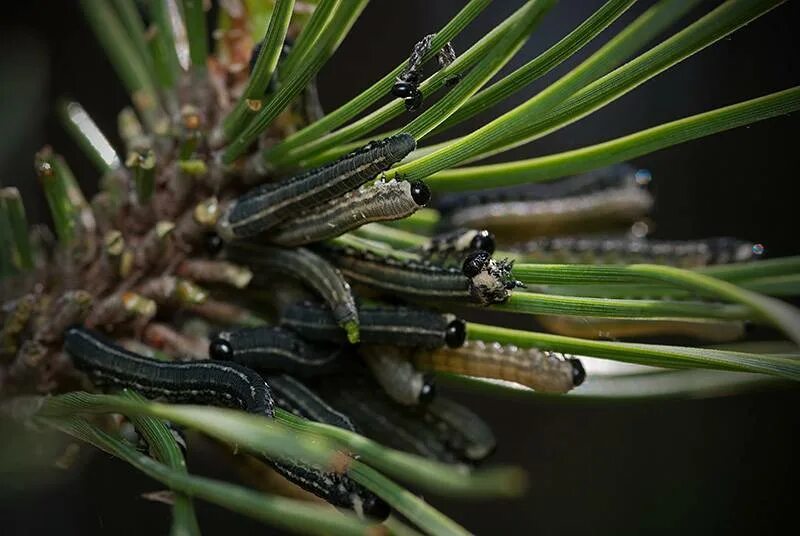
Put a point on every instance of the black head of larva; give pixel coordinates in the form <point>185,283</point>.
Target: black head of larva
<point>428,391</point>
<point>420,193</point>
<point>475,263</point>
<point>403,89</point>
<point>414,101</point>
<point>456,333</point>
<point>374,507</point>
<point>578,372</point>
<point>219,348</point>
<point>254,55</point>
<point>213,243</point>
<point>483,241</point>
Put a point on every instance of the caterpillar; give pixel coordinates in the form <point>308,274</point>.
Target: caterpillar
<point>271,350</point>
<point>215,383</point>
<point>481,278</point>
<point>270,204</point>
<point>608,198</point>
<point>593,181</point>
<point>540,370</point>
<point>457,243</point>
<point>224,384</point>
<point>397,376</point>
<point>307,267</point>
<point>384,420</point>
<point>460,429</point>
<point>684,254</point>
<point>381,201</point>
<point>410,277</point>
<point>293,396</point>
<point>401,326</point>
<point>407,82</point>
<point>621,328</point>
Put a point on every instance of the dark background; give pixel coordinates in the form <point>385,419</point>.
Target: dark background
<point>691,466</point>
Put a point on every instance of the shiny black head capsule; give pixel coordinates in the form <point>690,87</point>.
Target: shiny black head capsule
<point>420,193</point>
<point>219,348</point>
<point>403,89</point>
<point>455,333</point>
<point>375,508</point>
<point>414,101</point>
<point>213,243</point>
<point>475,263</point>
<point>578,372</point>
<point>254,55</point>
<point>428,391</point>
<point>483,241</point>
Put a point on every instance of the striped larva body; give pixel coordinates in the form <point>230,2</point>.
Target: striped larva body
<point>400,326</point>
<point>540,370</point>
<point>307,267</point>
<point>270,204</point>
<point>337,489</point>
<point>380,418</point>
<point>586,183</point>
<point>392,200</point>
<point>458,243</point>
<point>718,331</point>
<point>481,278</point>
<point>616,198</point>
<point>407,277</point>
<point>209,382</point>
<point>460,429</point>
<point>397,376</point>
<point>272,350</point>
<point>684,254</point>
<point>293,396</point>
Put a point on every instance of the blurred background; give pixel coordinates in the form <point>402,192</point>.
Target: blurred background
<point>721,465</point>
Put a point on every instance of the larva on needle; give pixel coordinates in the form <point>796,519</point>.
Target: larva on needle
<point>270,204</point>
<point>398,377</point>
<point>540,370</point>
<point>681,253</point>
<point>458,243</point>
<point>392,200</point>
<point>309,268</point>
<point>223,384</point>
<point>401,326</point>
<point>272,350</point>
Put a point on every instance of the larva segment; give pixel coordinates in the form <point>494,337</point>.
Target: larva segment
<point>541,370</point>
<point>458,243</point>
<point>406,277</point>
<point>401,326</point>
<point>270,204</point>
<point>223,384</point>
<point>603,250</point>
<point>337,489</point>
<point>272,350</point>
<point>460,429</point>
<point>573,203</point>
<point>718,331</point>
<point>397,376</point>
<point>293,396</point>
<point>382,201</point>
<point>407,82</point>
<point>384,420</point>
<point>307,267</point>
